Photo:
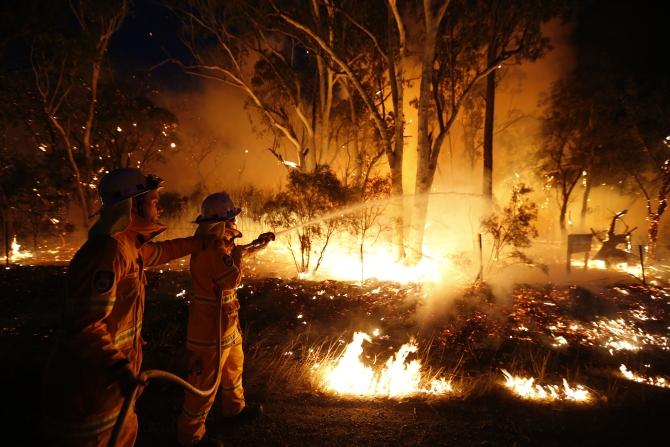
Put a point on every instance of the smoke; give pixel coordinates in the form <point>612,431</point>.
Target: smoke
<point>222,143</point>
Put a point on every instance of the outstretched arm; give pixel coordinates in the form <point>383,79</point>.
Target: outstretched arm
<point>155,253</point>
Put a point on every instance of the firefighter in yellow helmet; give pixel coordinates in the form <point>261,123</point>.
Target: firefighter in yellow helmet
<point>97,357</point>
<point>216,273</point>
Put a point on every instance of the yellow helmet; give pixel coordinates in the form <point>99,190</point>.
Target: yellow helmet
<point>125,183</point>
<point>217,207</point>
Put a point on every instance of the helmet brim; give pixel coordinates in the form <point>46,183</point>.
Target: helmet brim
<point>154,183</point>
<point>230,215</point>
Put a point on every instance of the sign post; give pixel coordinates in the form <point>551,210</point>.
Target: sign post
<point>579,243</point>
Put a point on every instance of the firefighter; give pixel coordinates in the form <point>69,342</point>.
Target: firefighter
<point>216,273</point>
<point>97,357</point>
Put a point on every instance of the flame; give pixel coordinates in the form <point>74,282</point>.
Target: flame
<point>526,388</point>
<point>380,263</point>
<point>16,254</point>
<point>654,381</point>
<point>597,264</point>
<point>342,263</point>
<point>397,379</point>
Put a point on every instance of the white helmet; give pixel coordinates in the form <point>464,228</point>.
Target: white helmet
<point>217,207</point>
<point>125,183</point>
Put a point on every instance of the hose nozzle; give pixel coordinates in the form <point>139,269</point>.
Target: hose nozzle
<point>262,239</point>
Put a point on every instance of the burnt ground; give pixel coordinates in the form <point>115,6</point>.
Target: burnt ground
<point>470,342</point>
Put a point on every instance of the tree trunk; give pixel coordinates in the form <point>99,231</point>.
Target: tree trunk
<point>652,232</point>
<point>585,201</point>
<point>423,180</point>
<point>81,192</point>
<point>396,152</point>
<point>469,144</point>
<point>5,224</point>
<point>487,188</point>
<point>361,257</point>
<point>561,217</point>
<point>398,207</point>
<point>419,214</point>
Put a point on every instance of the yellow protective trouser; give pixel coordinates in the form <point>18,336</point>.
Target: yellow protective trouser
<point>202,373</point>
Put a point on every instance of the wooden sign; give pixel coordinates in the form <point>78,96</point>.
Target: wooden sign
<point>579,243</point>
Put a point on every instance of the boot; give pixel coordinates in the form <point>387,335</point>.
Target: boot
<point>249,413</point>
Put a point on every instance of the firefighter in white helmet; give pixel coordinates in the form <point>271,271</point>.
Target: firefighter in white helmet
<point>97,357</point>
<point>216,273</point>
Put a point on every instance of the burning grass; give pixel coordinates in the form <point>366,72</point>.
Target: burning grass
<point>526,388</point>
<point>658,381</point>
<point>397,378</point>
<point>554,331</point>
<point>332,367</point>
<point>556,343</point>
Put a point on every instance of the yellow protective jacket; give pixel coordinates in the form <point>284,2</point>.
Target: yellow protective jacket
<point>215,276</point>
<point>101,327</point>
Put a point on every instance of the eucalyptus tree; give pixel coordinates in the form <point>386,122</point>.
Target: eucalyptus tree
<point>68,66</point>
<point>455,55</point>
<point>373,61</point>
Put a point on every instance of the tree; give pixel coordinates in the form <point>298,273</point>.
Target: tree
<point>648,118</point>
<point>513,36</point>
<point>455,56</point>
<point>67,69</point>
<point>632,82</point>
<point>132,130</point>
<point>372,59</point>
<point>173,205</point>
<point>512,230</point>
<point>302,207</point>
<point>564,150</point>
<point>241,44</point>
<point>366,223</point>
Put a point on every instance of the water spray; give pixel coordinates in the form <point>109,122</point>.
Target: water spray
<point>352,208</point>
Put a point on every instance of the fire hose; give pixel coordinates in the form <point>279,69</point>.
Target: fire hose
<point>150,374</point>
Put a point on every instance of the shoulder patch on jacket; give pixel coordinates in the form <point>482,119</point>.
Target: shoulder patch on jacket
<point>103,281</point>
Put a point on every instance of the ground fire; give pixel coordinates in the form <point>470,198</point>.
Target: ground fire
<point>334,223</point>
<point>397,378</point>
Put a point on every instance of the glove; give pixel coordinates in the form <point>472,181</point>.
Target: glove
<point>262,240</point>
<point>128,381</point>
<point>126,378</point>
<point>266,238</point>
